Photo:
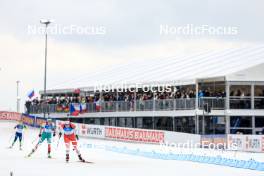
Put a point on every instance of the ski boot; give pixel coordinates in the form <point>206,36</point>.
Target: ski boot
<point>81,159</point>
<point>67,158</point>
<point>29,155</point>
<point>49,156</point>
<point>11,145</point>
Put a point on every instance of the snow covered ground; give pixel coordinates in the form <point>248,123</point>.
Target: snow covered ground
<point>105,162</point>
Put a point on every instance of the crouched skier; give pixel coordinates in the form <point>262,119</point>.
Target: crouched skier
<point>47,130</point>
<point>68,129</point>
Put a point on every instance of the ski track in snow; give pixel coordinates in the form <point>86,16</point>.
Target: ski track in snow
<point>104,162</point>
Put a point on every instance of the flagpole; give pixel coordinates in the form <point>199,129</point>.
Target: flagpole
<point>46,22</point>
<point>18,99</point>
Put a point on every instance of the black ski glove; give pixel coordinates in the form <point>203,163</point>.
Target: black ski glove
<point>77,137</point>
<point>39,135</point>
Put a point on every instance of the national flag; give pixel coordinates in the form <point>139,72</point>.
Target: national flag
<point>98,105</point>
<point>31,94</point>
<point>75,109</point>
<point>66,109</point>
<point>59,109</point>
<point>77,91</point>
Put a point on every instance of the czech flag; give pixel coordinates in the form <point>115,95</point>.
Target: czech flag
<point>31,94</point>
<point>75,109</point>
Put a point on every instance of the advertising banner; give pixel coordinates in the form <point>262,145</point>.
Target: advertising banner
<point>28,120</point>
<point>253,143</point>
<point>249,143</point>
<point>182,139</point>
<point>4,115</point>
<point>237,141</point>
<point>95,131</point>
<point>217,141</point>
<point>33,121</point>
<point>39,121</point>
<point>138,135</point>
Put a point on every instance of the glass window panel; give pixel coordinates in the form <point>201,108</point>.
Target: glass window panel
<point>144,122</point>
<point>240,131</point>
<point>241,121</point>
<point>163,123</point>
<point>259,122</point>
<point>259,97</point>
<point>240,90</point>
<point>185,124</point>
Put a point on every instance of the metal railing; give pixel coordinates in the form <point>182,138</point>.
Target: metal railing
<point>240,102</point>
<point>217,103</point>
<point>152,105</point>
<point>119,106</point>
<point>144,105</point>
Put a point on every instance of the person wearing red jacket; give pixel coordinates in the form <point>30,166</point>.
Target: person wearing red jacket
<point>68,130</point>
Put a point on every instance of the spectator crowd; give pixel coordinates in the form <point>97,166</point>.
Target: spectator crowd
<point>65,100</point>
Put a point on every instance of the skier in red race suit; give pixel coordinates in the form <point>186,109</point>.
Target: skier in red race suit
<point>68,129</point>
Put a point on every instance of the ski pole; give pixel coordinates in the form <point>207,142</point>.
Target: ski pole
<point>23,139</point>
<point>11,137</point>
<point>58,142</point>
<point>34,140</point>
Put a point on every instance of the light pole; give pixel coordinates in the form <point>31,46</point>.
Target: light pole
<point>18,98</point>
<point>46,23</point>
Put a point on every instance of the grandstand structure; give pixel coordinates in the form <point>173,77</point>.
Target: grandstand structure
<point>219,93</point>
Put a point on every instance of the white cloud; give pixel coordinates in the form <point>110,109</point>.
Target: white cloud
<point>24,59</point>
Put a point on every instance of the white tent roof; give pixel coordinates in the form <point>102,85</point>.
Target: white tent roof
<point>178,69</point>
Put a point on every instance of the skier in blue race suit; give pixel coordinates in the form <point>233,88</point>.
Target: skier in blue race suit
<point>19,134</point>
